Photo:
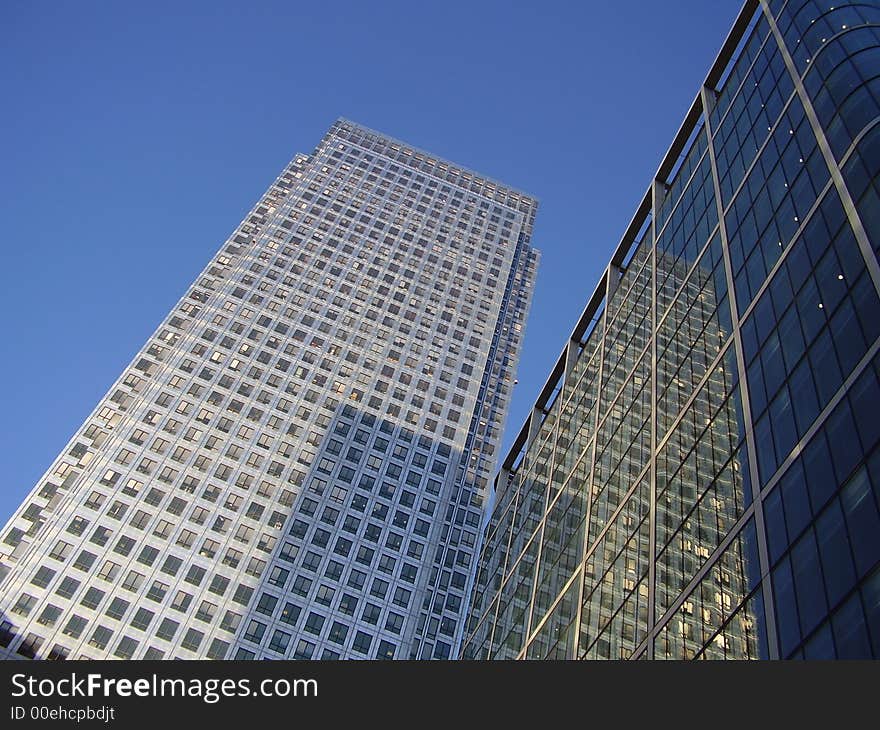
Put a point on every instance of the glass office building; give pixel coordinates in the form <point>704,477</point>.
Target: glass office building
<point>700,476</point>
<point>296,462</point>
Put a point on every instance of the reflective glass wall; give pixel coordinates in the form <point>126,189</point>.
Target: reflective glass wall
<point>700,477</point>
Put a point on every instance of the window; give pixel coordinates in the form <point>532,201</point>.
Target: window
<point>117,608</point>
<point>77,525</point>
<point>101,637</point>
<point>348,604</point>
<point>140,519</point>
<point>255,632</point>
<point>266,543</point>
<point>207,611</point>
<point>243,594</point>
<point>311,561</point>
<point>356,579</point>
<point>314,623</point>
<point>176,506</point>
<point>85,560</point>
<point>278,576</point>
<point>148,555</point>
<point>43,576</point>
<point>301,585</point>
<point>95,500</point>
<point>109,570</point>
<point>232,558</point>
<point>255,567</point>
<point>167,629</point>
<point>289,551</point>
<point>230,621</point>
<point>266,604</point>
<point>338,632</point>
<point>394,623</point>
<point>386,650</point>
<point>181,601</point>
<point>371,614</point>
<point>157,591</point>
<point>290,613</point>
<point>75,626</point>
<point>132,487</point>
<point>126,648</point>
<point>171,565</point>
<point>362,642</point>
<point>133,580</point>
<point>299,529</point>
<point>199,515</point>
<point>30,645</point>
<point>325,594</point>
<point>124,545</point>
<point>280,641</point>
<point>218,649</point>
<point>62,550</point>
<point>49,615</point>
<point>67,587</point>
<point>142,618</point>
<point>401,597</point>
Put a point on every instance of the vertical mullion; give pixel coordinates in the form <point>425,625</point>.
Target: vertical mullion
<point>708,97</point>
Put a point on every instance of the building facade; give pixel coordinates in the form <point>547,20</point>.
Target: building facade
<point>700,476</point>
<point>295,464</point>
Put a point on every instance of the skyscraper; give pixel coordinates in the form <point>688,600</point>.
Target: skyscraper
<point>296,462</point>
<point>700,477</point>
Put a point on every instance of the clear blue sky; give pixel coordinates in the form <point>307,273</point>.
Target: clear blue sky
<point>135,136</point>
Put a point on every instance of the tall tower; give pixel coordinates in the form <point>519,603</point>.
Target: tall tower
<point>296,462</point>
<point>700,477</point>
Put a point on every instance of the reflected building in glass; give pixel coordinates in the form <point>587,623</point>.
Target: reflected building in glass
<point>700,475</point>
<point>296,463</point>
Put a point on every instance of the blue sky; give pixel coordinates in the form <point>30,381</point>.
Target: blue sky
<point>135,136</point>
